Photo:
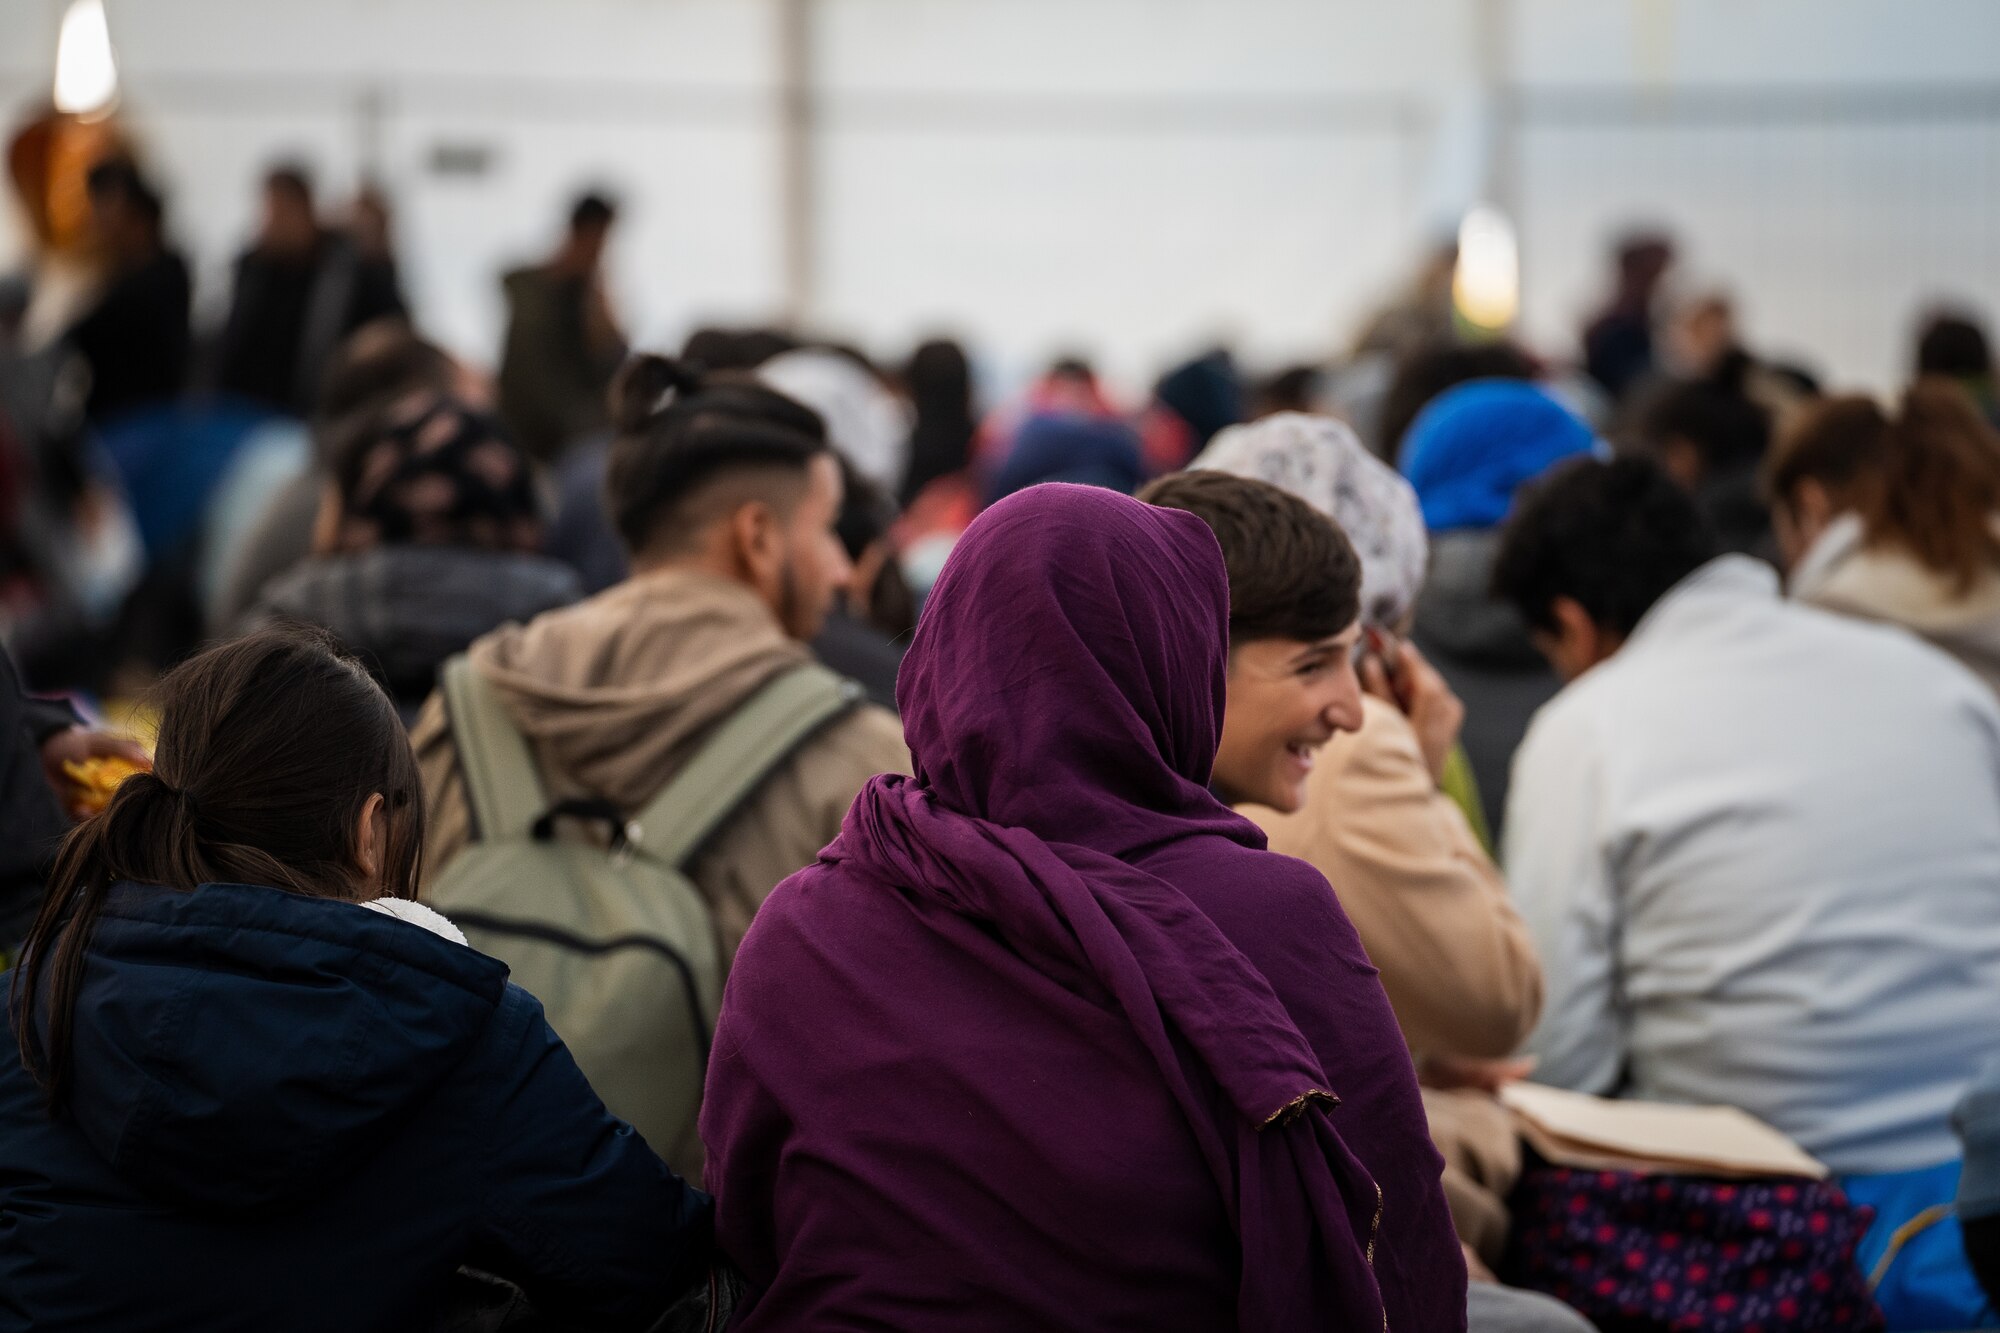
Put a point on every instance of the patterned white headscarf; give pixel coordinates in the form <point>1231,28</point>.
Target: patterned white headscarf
<point>1324,463</point>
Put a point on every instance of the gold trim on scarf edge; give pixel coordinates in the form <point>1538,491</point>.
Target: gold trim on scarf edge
<point>1294,1108</point>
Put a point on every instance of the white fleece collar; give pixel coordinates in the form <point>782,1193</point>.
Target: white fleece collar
<point>403,909</point>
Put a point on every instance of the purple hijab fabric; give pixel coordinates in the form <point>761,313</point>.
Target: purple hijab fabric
<point>1047,1038</point>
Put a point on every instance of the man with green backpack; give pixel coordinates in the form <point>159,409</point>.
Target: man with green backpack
<point>615,787</point>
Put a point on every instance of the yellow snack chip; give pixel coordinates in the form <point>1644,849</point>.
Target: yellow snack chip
<point>97,778</point>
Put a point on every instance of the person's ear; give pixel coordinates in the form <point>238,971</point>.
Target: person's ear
<point>326,521</point>
<point>756,546</point>
<point>1579,642</point>
<point>1812,506</point>
<point>371,840</point>
<point>1681,460</point>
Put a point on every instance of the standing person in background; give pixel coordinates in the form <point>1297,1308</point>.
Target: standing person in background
<point>1466,455</point>
<point>1047,1039</point>
<point>1733,905</point>
<point>939,380</point>
<point>247,1084</point>
<point>299,290</point>
<point>1618,346</point>
<point>1896,518</point>
<point>563,344</point>
<point>135,338</point>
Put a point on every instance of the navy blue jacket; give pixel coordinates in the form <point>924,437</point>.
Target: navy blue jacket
<point>296,1113</point>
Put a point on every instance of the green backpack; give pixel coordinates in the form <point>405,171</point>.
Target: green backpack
<point>615,941</point>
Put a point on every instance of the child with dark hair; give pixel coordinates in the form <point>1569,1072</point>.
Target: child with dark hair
<point>1757,845</point>
<point>234,1097</point>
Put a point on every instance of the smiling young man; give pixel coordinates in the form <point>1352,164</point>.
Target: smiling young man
<point>1294,618</point>
<point>1423,897</point>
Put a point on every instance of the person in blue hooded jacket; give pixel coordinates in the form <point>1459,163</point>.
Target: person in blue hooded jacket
<point>234,1097</point>
<point>1467,454</point>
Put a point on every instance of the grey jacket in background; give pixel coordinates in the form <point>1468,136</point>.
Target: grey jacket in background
<point>405,609</point>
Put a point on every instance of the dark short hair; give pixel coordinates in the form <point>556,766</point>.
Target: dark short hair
<point>1953,344</point>
<point>1714,414</point>
<point>1427,372</point>
<point>678,430</point>
<point>1292,572</point>
<point>291,178</point>
<point>1613,536</point>
<point>119,179</point>
<point>592,210</point>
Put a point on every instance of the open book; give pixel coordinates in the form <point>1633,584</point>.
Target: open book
<point>1600,1134</point>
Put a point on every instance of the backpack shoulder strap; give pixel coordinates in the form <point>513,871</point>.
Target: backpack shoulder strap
<point>501,782</point>
<point>743,750</point>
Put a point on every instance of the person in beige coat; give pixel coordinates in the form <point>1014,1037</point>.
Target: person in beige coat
<point>725,493</point>
<point>1896,518</point>
<point>1429,904</point>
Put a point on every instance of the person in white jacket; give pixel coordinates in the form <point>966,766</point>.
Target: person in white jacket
<point>1758,844</point>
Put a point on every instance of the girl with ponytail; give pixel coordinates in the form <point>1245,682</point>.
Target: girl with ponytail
<point>224,1063</point>
<point>1896,516</point>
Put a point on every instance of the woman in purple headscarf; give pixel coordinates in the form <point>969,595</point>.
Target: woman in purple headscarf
<point>1047,1039</point>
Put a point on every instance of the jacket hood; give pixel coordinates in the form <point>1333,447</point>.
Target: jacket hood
<point>1457,613</point>
<point>405,609</point>
<point>616,692</point>
<point>240,1048</point>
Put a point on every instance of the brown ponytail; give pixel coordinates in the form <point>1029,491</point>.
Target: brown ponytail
<point>269,749</point>
<point>1926,480</point>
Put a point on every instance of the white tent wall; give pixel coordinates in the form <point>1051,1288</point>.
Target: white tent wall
<point>1129,178</point>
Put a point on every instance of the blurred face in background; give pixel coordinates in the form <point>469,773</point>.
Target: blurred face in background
<point>289,227</point>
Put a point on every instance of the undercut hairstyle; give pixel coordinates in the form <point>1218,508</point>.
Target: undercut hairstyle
<point>689,448</point>
<point>1925,481</point>
<point>1613,537</point>
<point>1292,572</point>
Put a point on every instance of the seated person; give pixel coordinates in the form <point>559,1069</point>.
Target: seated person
<point>1466,455</point>
<point>1046,1038</point>
<point>1896,516</point>
<point>428,537</point>
<point>725,494</point>
<point>232,1097</point>
<point>1757,845</point>
<point>1366,810</point>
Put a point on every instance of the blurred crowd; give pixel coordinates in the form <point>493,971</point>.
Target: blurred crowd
<point>980,859</point>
